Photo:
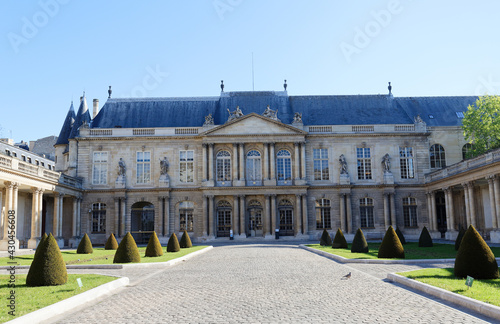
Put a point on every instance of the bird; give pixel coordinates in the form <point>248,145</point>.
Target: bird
<point>347,276</point>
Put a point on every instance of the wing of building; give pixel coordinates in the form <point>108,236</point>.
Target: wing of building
<point>262,164</point>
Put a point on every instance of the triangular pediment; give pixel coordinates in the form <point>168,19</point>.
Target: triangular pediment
<point>254,124</point>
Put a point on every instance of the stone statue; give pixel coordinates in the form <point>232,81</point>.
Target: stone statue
<point>269,113</point>
<point>209,120</point>
<point>418,119</point>
<point>121,168</point>
<point>297,118</point>
<point>386,162</point>
<point>343,165</point>
<point>235,114</point>
<point>164,166</point>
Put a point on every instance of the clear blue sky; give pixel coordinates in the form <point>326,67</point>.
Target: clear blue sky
<point>53,50</point>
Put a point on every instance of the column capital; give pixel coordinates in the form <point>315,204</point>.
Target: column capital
<point>296,143</point>
<point>297,196</point>
<point>36,190</point>
<point>204,145</point>
<point>11,184</point>
<point>209,196</point>
<point>242,196</point>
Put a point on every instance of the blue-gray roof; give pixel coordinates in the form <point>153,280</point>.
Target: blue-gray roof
<point>67,126</point>
<point>315,110</point>
<point>82,116</point>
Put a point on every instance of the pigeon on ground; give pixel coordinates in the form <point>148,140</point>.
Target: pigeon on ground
<point>347,276</point>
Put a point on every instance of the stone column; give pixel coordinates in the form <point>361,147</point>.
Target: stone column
<point>265,169</point>
<point>35,214</point>
<point>298,218</point>
<point>429,211</point>
<point>158,217</point>
<point>273,214</point>
<point>211,162</point>
<point>236,212</point>
<point>296,164</point>
<point>242,162</point>
<point>235,162</point>
<point>447,206</point>
<point>342,211</point>
<point>497,199</point>
<point>74,220</point>
<point>272,163</point>
<point>204,161</point>
<point>166,226</point>
<point>472,204</point>
<point>386,210</point>
<point>117,217</point>
<point>267,216</point>
<point>40,213</point>
<point>205,216</point>
<point>242,216</point>
<point>211,223</point>
<point>125,225</point>
<point>393,211</point>
<point>2,217</point>
<point>349,213</point>
<point>11,205</point>
<point>305,223</point>
<point>491,189</point>
<point>467,206</point>
<point>60,214</point>
<point>452,210</point>
<point>303,160</point>
<point>55,218</point>
<point>8,206</point>
<point>433,210</point>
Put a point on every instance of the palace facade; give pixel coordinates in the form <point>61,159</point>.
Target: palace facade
<point>249,164</point>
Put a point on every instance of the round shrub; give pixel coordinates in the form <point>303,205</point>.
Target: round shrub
<point>325,239</point>
<point>154,247</point>
<point>359,244</point>
<point>391,246</point>
<point>85,246</point>
<point>127,251</point>
<point>48,267</point>
<point>460,236</point>
<point>339,241</point>
<point>425,239</point>
<point>111,243</point>
<point>185,241</point>
<point>474,257</point>
<point>401,237</point>
<point>173,244</point>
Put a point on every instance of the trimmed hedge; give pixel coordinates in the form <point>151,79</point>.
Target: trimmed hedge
<point>474,257</point>
<point>43,238</point>
<point>391,246</point>
<point>460,236</point>
<point>325,239</point>
<point>48,267</point>
<point>127,251</point>
<point>339,241</point>
<point>401,237</point>
<point>185,241</point>
<point>359,244</point>
<point>85,246</point>
<point>154,247</point>
<point>111,243</point>
<point>173,244</point>
<point>425,239</point>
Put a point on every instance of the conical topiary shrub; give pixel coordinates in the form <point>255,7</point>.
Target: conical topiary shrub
<point>460,236</point>
<point>425,239</point>
<point>325,239</point>
<point>339,241</point>
<point>474,257</point>
<point>48,267</point>
<point>401,237</point>
<point>173,244</point>
<point>127,251</point>
<point>185,241</point>
<point>85,246</point>
<point>391,246</point>
<point>111,243</point>
<point>359,244</point>
<point>154,247</point>
<point>43,238</point>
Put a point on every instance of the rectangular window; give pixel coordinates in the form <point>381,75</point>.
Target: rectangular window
<point>186,166</point>
<point>320,157</point>
<point>100,168</point>
<point>323,214</point>
<point>143,167</point>
<point>186,220</point>
<point>406,162</point>
<point>99,218</point>
<point>364,163</point>
<point>366,212</point>
<point>410,212</point>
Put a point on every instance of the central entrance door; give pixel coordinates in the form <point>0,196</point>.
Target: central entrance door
<point>223,218</point>
<point>143,221</point>
<point>254,219</point>
<point>286,218</point>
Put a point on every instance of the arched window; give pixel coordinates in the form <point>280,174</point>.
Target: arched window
<point>467,151</point>
<point>437,156</point>
<point>224,210</point>
<point>366,212</point>
<point>186,216</point>
<point>323,216</point>
<point>285,208</point>
<point>284,165</point>
<point>98,218</point>
<point>223,166</point>
<point>254,168</point>
<point>410,212</point>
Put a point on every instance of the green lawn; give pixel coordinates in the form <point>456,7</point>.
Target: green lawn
<point>483,290</point>
<point>29,299</point>
<point>412,251</point>
<point>101,256</point>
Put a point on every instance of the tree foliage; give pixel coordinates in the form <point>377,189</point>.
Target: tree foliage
<point>481,125</point>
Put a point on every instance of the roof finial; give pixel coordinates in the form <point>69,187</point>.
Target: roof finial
<point>109,92</point>
<point>390,88</point>
<point>285,85</point>
<point>221,85</point>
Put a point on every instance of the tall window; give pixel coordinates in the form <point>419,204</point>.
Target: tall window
<point>100,168</point>
<point>410,212</point>
<point>364,163</point>
<point>186,167</point>
<point>143,167</point>
<point>320,157</point>
<point>223,166</point>
<point>254,166</point>
<point>366,212</point>
<point>438,159</point>
<point>323,216</point>
<point>406,162</point>
<point>186,216</point>
<point>284,165</point>
<point>467,151</point>
<point>98,218</point>
<point>223,218</point>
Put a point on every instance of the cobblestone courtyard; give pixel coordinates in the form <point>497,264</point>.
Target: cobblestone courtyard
<point>266,284</point>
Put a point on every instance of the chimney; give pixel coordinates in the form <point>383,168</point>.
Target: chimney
<point>96,108</point>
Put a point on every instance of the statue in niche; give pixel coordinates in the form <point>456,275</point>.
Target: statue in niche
<point>209,120</point>
<point>121,168</point>
<point>386,163</point>
<point>235,114</point>
<point>164,166</point>
<point>343,165</point>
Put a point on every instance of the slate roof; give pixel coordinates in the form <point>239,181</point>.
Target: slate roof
<point>67,126</point>
<point>316,110</point>
<point>82,116</point>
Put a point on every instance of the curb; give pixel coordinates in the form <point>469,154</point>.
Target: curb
<point>376,261</point>
<point>472,304</point>
<point>70,303</point>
